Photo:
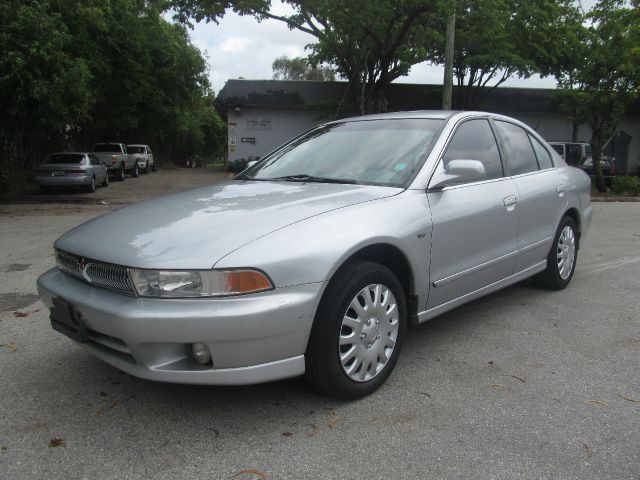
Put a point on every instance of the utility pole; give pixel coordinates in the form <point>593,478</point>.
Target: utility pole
<point>447,84</point>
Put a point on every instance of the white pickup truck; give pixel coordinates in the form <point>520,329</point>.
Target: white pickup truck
<point>117,159</point>
<point>144,155</point>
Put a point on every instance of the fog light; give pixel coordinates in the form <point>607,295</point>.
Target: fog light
<point>201,353</point>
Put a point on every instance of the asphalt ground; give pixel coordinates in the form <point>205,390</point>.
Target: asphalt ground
<point>523,383</point>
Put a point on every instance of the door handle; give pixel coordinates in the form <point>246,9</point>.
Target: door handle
<point>510,200</point>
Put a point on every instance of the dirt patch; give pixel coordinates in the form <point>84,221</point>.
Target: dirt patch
<point>17,267</point>
<point>16,301</point>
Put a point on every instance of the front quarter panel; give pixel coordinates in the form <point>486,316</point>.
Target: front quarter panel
<point>312,250</point>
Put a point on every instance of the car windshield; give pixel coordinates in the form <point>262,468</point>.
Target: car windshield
<point>65,158</point>
<point>135,149</point>
<point>374,152</point>
<point>107,147</point>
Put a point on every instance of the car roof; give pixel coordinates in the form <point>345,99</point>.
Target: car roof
<point>137,145</point>
<point>438,114</point>
<point>69,153</point>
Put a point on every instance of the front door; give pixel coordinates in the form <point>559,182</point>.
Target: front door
<point>474,238</point>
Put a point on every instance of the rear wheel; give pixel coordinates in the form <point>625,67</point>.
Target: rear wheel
<point>561,261</point>
<point>136,171</point>
<point>92,185</point>
<point>358,331</point>
<point>106,180</point>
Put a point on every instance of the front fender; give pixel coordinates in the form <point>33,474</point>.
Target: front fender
<point>313,249</point>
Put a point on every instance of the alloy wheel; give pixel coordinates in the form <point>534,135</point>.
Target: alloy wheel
<point>566,252</point>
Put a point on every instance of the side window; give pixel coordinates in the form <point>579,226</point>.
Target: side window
<point>93,159</point>
<point>518,147</point>
<point>559,149</point>
<point>544,159</point>
<point>148,149</point>
<point>474,140</point>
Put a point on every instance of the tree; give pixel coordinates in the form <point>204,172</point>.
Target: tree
<point>369,43</point>
<point>497,39</point>
<point>299,68</point>
<point>605,79</point>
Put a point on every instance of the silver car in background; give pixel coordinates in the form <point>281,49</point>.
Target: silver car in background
<point>316,259</point>
<point>71,169</point>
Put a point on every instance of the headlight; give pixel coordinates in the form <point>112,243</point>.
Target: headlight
<point>198,283</point>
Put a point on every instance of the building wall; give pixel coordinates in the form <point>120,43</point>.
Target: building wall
<point>270,128</point>
<point>255,132</point>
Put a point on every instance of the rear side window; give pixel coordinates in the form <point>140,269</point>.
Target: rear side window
<point>474,140</point>
<point>518,148</point>
<point>544,159</point>
<point>559,149</point>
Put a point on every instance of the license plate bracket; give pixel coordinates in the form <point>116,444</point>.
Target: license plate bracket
<point>66,319</point>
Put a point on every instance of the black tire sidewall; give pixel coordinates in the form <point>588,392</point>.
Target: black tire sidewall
<point>552,276</point>
<point>323,350</point>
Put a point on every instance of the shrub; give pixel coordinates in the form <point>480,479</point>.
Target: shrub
<point>237,166</point>
<point>625,185</point>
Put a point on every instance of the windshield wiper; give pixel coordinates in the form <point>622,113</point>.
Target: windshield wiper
<point>244,176</point>
<point>303,177</point>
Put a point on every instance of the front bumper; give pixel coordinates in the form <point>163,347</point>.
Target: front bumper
<point>253,338</point>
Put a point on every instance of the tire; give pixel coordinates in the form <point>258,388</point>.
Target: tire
<point>92,186</point>
<point>106,180</point>
<point>146,167</point>
<point>135,173</point>
<point>564,249</point>
<point>355,368</point>
<point>122,174</point>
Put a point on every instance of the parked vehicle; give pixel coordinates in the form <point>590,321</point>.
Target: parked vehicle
<point>573,153</point>
<point>71,169</point>
<point>315,259</point>
<point>118,160</point>
<point>144,156</point>
<point>579,155</point>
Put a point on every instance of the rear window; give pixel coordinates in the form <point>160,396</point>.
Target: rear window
<point>135,149</point>
<point>107,147</point>
<point>64,158</point>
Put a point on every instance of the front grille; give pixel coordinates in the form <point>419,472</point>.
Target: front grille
<point>96,273</point>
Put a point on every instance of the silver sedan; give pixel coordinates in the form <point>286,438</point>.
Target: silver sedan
<point>316,259</point>
<point>72,169</point>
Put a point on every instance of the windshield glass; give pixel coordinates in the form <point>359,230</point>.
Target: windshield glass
<point>64,158</point>
<point>107,147</point>
<point>376,152</point>
<point>135,149</point>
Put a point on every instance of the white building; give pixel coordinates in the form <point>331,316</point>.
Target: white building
<point>263,114</point>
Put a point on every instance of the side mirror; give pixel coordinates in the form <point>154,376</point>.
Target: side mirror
<point>458,171</point>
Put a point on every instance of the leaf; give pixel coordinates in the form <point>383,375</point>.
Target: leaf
<point>629,399</point>
<point>251,471</point>
<point>57,442</point>
<point>334,420</point>
<point>287,434</point>
<point>496,385</point>
<point>20,314</point>
<point>588,449</point>
<point>12,346</point>
<point>597,402</point>
<point>108,407</point>
<point>314,430</point>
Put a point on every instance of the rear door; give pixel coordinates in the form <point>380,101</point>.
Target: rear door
<point>541,192</point>
<point>474,233</point>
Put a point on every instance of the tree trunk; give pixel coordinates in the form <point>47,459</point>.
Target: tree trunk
<point>596,151</point>
<point>574,131</point>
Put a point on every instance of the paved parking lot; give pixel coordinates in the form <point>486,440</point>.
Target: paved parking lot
<point>521,384</point>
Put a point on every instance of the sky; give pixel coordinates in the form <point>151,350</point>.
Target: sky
<point>243,47</point>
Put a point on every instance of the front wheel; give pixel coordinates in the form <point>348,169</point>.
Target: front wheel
<point>122,174</point>
<point>357,332</point>
<point>561,261</point>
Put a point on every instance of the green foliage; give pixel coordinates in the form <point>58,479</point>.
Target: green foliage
<point>237,166</point>
<point>498,39</point>
<point>625,185</point>
<point>299,68</point>
<point>604,79</point>
<point>73,72</point>
<point>369,43</point>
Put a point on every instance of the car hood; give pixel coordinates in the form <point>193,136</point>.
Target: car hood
<point>194,229</point>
